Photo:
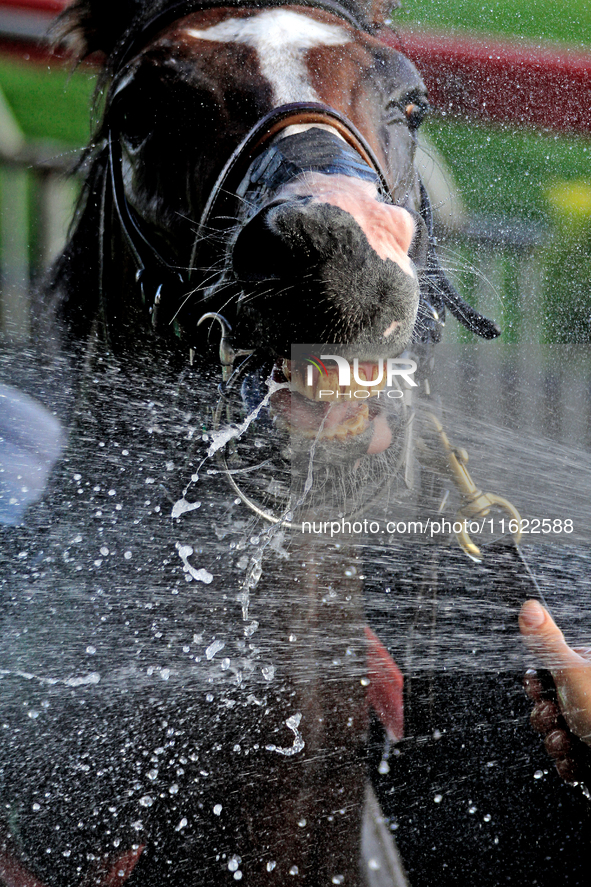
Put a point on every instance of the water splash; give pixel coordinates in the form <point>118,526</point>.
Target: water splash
<point>293,723</point>
<point>201,575</point>
<point>220,438</point>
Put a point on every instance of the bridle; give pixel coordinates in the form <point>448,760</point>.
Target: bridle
<point>154,273</point>
<point>170,292</point>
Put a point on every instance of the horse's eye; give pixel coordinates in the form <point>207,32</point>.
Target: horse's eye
<point>415,113</point>
<point>409,109</point>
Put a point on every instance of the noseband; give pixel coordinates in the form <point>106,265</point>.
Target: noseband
<point>168,291</point>
<point>156,276</point>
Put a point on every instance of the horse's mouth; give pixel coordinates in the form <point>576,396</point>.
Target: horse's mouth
<point>329,413</point>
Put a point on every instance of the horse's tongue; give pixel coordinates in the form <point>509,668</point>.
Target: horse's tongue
<point>382,435</point>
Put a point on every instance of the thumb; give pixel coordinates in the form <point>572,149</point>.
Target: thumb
<point>571,672</point>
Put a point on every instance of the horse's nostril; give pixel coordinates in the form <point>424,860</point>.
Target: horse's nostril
<point>329,282</point>
<point>276,243</point>
<point>258,253</point>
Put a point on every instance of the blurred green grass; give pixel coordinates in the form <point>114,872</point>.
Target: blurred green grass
<point>566,20</point>
<point>49,102</point>
<point>507,172</point>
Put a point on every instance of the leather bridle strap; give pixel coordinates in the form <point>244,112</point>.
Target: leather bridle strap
<point>153,273</point>
<point>273,123</point>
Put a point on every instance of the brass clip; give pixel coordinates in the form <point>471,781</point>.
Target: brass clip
<point>474,504</point>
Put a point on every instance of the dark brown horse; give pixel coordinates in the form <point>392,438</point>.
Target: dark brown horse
<point>186,678</point>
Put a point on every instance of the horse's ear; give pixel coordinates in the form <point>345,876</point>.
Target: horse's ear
<point>374,12</point>
<point>88,26</point>
<point>381,10</point>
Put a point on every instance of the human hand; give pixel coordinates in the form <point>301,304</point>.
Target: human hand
<point>563,717</point>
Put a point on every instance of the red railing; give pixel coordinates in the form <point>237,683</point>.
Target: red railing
<point>546,86</point>
<point>522,83</point>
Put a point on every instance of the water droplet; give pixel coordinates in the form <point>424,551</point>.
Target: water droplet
<point>384,768</point>
<point>438,799</point>
<point>294,870</point>
<point>271,866</point>
<point>181,824</point>
<point>487,817</point>
<point>214,648</point>
<point>91,650</point>
<point>374,865</point>
<point>36,807</point>
<point>146,801</point>
<point>238,875</point>
<point>218,812</point>
<point>472,809</point>
<point>337,879</point>
<point>538,774</point>
<point>301,822</point>
<point>127,555</point>
<point>173,789</point>
<point>233,863</point>
<point>152,774</point>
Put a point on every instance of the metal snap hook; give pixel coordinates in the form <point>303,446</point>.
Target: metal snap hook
<point>227,353</point>
<point>474,502</point>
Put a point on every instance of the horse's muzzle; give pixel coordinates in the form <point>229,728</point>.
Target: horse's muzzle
<point>323,258</point>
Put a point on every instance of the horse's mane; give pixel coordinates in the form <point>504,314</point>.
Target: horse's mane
<point>90,26</point>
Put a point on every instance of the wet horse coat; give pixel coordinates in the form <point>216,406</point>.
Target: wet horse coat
<point>200,714</point>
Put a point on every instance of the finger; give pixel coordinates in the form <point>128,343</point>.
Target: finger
<point>567,769</point>
<point>533,685</point>
<point>545,640</point>
<point>571,672</point>
<point>558,744</point>
<point>545,717</point>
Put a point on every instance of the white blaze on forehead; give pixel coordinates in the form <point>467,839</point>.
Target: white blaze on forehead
<point>280,38</point>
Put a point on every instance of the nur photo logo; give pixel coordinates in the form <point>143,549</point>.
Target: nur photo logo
<point>358,378</point>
